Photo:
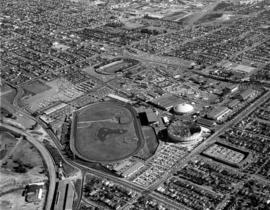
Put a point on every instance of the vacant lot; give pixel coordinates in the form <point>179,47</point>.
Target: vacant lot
<point>104,132</point>
<point>36,87</point>
<point>24,158</point>
<point>21,164</point>
<point>7,142</point>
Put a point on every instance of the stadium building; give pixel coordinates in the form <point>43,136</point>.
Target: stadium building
<point>184,133</point>
<point>183,108</point>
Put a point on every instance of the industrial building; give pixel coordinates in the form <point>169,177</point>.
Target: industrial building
<point>244,95</point>
<point>234,103</point>
<point>219,113</point>
<point>206,123</point>
<point>166,102</point>
<point>148,117</point>
<point>119,98</point>
<point>232,88</point>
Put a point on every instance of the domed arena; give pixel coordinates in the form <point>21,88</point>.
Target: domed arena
<point>185,133</point>
<point>183,108</point>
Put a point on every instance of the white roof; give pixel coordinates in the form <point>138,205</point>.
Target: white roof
<point>183,108</point>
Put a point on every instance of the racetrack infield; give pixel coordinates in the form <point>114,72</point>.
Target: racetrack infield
<point>105,132</point>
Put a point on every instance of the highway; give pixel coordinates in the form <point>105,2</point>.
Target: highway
<point>47,159</point>
<point>85,168</point>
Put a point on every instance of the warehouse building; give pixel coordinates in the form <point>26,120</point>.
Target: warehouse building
<point>206,123</point>
<point>219,113</point>
<point>234,103</point>
<point>119,98</point>
<point>244,95</point>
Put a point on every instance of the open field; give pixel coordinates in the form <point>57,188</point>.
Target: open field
<point>7,93</point>
<point>36,87</point>
<point>21,164</point>
<point>59,90</point>
<point>104,132</point>
<point>7,142</point>
<point>23,158</point>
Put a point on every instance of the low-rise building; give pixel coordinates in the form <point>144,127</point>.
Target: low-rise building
<point>206,122</point>
<point>244,95</point>
<point>232,88</point>
<point>151,116</point>
<point>133,169</point>
<point>33,192</point>
<point>234,103</point>
<point>219,113</point>
<point>119,98</point>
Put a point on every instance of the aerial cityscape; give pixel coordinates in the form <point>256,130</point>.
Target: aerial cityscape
<point>135,105</point>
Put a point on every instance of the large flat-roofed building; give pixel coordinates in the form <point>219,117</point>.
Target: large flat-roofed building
<point>151,116</point>
<point>234,103</point>
<point>244,95</point>
<point>167,101</point>
<point>232,88</point>
<point>219,113</point>
<point>119,98</point>
<point>206,123</point>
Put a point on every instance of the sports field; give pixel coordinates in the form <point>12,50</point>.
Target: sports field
<point>104,132</point>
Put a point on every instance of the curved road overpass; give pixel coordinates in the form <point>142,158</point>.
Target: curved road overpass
<point>47,158</point>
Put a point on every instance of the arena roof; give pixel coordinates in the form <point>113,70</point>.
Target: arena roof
<point>183,108</point>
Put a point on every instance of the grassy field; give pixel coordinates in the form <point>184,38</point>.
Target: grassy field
<point>7,93</point>
<point>36,87</point>
<point>23,159</point>
<point>105,132</point>
<point>20,166</point>
<point>7,142</point>
<point>67,92</point>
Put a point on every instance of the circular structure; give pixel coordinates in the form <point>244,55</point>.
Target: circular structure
<point>105,132</point>
<point>185,133</point>
<point>183,108</point>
